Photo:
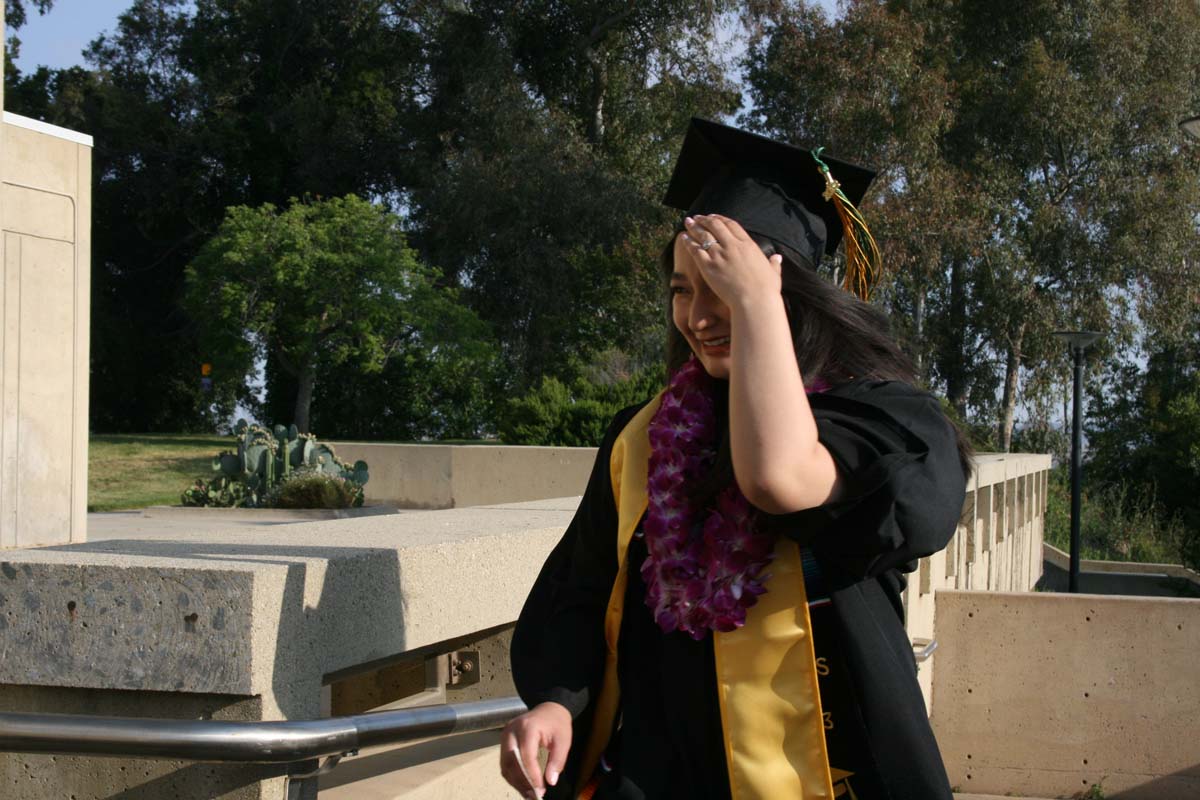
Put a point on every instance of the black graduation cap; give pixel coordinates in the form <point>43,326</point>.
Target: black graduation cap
<point>771,188</point>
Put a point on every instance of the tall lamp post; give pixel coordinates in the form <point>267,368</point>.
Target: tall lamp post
<point>1078,341</point>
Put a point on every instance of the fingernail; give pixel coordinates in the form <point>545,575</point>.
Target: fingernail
<point>689,221</point>
<point>552,777</point>
<point>686,238</point>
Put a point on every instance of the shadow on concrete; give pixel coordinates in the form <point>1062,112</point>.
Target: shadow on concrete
<point>214,780</point>
<point>1177,786</point>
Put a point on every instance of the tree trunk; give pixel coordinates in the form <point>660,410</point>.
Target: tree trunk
<point>1012,367</point>
<point>919,333</point>
<point>955,367</point>
<point>599,87</point>
<point>304,394</point>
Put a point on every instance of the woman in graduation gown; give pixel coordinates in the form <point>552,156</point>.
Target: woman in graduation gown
<point>723,618</point>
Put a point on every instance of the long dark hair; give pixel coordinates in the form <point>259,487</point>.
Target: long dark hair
<point>837,338</point>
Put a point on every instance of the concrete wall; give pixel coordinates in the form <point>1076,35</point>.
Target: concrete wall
<point>454,476</point>
<point>45,216</point>
<point>1050,694</point>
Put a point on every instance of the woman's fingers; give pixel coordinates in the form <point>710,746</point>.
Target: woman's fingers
<point>698,234</point>
<point>558,745</point>
<point>531,770</point>
<point>723,229</point>
<point>513,766</point>
<point>547,725</point>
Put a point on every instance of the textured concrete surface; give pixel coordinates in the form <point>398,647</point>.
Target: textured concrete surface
<point>177,522</point>
<point>45,218</point>
<point>454,476</point>
<point>1051,694</point>
<point>249,615</point>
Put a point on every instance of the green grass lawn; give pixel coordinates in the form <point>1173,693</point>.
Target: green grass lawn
<point>139,470</point>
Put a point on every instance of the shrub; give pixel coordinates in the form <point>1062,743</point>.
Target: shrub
<point>1117,523</point>
<point>309,488</point>
<point>574,415</point>
<point>221,492</point>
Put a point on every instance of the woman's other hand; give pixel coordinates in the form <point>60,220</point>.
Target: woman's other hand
<point>733,265</point>
<point>547,725</point>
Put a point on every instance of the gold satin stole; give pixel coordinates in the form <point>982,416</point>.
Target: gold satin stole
<point>766,670</point>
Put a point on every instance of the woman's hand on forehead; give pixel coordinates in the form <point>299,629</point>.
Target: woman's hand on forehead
<point>731,263</point>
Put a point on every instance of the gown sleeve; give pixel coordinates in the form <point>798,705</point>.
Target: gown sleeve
<point>558,645</point>
<point>902,479</point>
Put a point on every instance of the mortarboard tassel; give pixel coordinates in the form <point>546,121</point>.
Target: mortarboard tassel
<point>863,261</point>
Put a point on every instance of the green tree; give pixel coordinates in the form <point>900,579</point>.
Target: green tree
<point>545,147</point>
<point>319,284</point>
<point>198,107</point>
<point>1031,173</point>
<point>1143,436</point>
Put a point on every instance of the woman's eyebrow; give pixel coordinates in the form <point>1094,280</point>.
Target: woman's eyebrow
<point>678,276</point>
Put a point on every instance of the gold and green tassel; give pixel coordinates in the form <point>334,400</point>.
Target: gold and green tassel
<point>863,260</point>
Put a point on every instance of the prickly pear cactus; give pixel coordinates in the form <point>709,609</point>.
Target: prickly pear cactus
<point>264,457</point>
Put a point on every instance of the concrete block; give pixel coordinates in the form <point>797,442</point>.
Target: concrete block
<point>1049,695</point>
<point>453,476</point>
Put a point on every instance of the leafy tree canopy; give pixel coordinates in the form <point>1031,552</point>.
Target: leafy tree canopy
<point>319,284</point>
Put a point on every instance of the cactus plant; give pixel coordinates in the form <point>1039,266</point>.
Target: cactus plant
<point>264,457</point>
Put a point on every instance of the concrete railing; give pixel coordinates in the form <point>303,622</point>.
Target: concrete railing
<point>339,617</point>
<point>998,545</point>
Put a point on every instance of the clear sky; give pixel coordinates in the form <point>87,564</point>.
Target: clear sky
<point>57,40</point>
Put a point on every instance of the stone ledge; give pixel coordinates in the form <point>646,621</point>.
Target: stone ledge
<point>271,614</point>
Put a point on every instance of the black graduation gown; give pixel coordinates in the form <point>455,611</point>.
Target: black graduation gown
<point>902,500</point>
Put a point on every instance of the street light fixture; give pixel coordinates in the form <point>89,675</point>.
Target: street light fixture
<point>1078,341</point>
<point>1191,127</point>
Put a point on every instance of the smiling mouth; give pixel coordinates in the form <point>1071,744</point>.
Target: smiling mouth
<point>722,341</point>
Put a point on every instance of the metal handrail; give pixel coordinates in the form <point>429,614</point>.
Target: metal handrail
<point>246,742</point>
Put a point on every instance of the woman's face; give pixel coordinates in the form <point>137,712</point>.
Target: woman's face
<point>701,316</point>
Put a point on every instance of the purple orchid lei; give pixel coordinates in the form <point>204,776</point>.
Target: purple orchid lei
<point>704,566</point>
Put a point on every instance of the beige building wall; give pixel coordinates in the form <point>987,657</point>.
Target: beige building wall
<point>45,218</point>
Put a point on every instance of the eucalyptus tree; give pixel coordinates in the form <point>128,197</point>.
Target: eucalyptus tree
<point>1031,174</point>
<point>546,138</point>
